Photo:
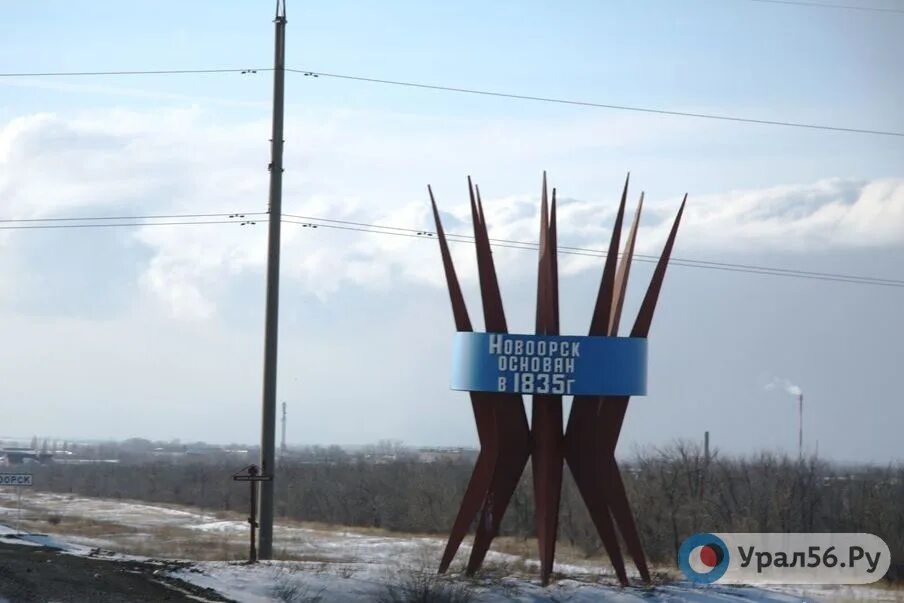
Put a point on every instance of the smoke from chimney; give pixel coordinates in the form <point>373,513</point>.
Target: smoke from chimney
<point>784,385</point>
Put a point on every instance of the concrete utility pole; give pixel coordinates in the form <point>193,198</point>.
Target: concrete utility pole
<point>800,426</point>
<point>282,446</point>
<point>271,328</point>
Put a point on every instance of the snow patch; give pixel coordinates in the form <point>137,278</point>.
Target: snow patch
<point>347,565</point>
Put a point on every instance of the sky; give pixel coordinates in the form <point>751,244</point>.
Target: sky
<point>157,331</point>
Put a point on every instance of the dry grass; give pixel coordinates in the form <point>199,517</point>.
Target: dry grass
<point>329,528</point>
<point>187,543</point>
<point>565,553</point>
<point>289,590</point>
<point>38,520</point>
<point>174,541</point>
<point>157,541</point>
<point>422,585</point>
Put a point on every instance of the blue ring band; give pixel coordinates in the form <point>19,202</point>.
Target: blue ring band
<point>549,364</point>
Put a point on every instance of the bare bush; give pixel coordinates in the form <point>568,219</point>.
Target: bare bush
<point>288,589</point>
<point>419,586</point>
<point>675,491</point>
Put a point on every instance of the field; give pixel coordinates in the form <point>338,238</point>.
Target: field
<point>327,563</point>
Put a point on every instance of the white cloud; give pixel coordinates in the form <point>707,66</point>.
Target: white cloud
<point>829,214</point>
<point>178,284</point>
<point>379,349</point>
<point>371,168</point>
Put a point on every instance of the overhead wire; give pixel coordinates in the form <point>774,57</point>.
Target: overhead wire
<point>117,225</point>
<point>135,72</point>
<point>249,218</point>
<point>148,217</point>
<point>580,251</point>
<point>580,103</point>
<point>807,3</point>
<point>648,259</point>
<point>480,92</point>
<point>593,252</point>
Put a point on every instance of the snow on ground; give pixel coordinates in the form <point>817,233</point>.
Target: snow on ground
<point>11,535</point>
<point>125,513</point>
<point>847,594</point>
<point>340,564</point>
<point>267,582</point>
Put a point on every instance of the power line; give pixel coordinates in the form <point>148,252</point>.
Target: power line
<point>240,218</point>
<point>247,218</point>
<point>492,93</point>
<point>119,225</point>
<point>599,252</point>
<point>563,101</point>
<point>135,72</point>
<point>149,217</point>
<point>836,6</point>
<point>530,246</point>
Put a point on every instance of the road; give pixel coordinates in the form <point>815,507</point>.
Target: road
<point>31,574</point>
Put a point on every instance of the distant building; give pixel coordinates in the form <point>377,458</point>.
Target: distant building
<point>449,454</point>
<point>19,456</point>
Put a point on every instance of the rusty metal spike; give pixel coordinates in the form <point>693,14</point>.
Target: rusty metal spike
<point>475,215</point>
<point>483,414</point>
<point>510,427</point>
<point>546,424</point>
<point>645,315</point>
<point>621,510</point>
<point>543,257</point>
<point>608,427</point>
<point>481,476</point>
<point>542,262</point>
<point>514,449</point>
<point>459,310</point>
<point>584,457</point>
<point>599,324</point>
<point>553,244</point>
<point>588,468</point>
<point>624,269</point>
<point>483,219</point>
<point>547,464</point>
<point>493,312</point>
<point>589,437</point>
<point>613,409</point>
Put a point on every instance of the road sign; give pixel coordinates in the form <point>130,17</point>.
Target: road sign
<point>15,479</point>
<point>253,478</point>
<point>251,474</point>
<point>550,364</point>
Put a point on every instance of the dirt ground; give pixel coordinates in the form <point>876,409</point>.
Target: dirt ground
<point>30,574</point>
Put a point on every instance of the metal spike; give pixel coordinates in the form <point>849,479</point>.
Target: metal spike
<point>624,269</point>
<point>599,324</point>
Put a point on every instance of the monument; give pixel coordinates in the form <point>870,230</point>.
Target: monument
<point>602,371</point>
